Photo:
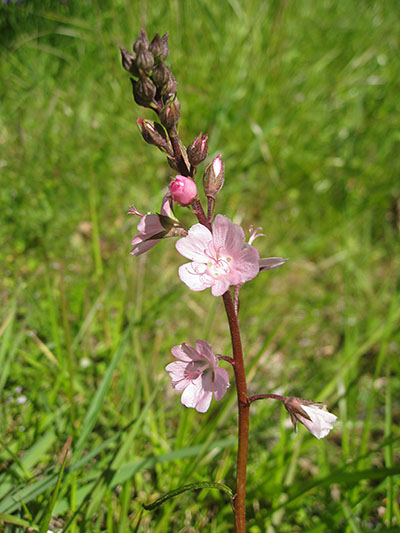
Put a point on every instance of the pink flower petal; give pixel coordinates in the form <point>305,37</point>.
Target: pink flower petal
<point>195,244</point>
<point>227,235</point>
<point>144,246</point>
<point>150,225</point>
<point>220,287</point>
<point>248,263</point>
<point>221,383</point>
<point>190,274</point>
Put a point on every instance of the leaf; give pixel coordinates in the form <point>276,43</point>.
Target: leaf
<point>186,488</point>
<point>64,456</point>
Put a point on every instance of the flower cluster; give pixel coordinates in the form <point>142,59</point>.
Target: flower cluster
<point>219,255</point>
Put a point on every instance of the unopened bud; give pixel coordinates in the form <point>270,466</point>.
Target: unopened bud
<point>144,91</point>
<point>128,61</point>
<point>141,42</point>
<point>164,47</point>
<point>183,190</point>
<point>170,114</point>
<point>160,75</point>
<point>173,164</point>
<point>171,86</point>
<point>213,178</point>
<point>144,60</point>
<point>197,151</point>
<point>156,46</point>
<point>154,133</point>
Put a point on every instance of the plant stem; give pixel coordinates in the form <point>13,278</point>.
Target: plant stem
<point>173,136</point>
<point>239,505</point>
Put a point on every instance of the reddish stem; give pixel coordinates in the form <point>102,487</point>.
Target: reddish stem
<point>244,419</point>
<point>173,136</point>
<point>265,397</point>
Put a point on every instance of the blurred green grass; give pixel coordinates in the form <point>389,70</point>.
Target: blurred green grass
<point>301,98</point>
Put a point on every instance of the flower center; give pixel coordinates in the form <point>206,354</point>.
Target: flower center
<point>195,369</point>
<point>218,264</point>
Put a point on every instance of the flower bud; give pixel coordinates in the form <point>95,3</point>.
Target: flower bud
<point>160,75</point>
<point>154,133</point>
<point>164,47</point>
<point>156,46</point>
<point>183,190</point>
<point>144,91</point>
<point>313,415</point>
<point>141,42</point>
<point>170,86</point>
<point>128,61</point>
<point>197,151</point>
<point>144,60</point>
<point>213,178</point>
<point>170,114</point>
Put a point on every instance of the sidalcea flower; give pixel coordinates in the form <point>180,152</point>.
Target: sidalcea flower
<point>219,259</point>
<point>183,190</point>
<point>197,374</point>
<point>314,415</point>
<point>154,227</point>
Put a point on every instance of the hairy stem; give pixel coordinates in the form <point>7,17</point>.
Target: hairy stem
<point>243,410</point>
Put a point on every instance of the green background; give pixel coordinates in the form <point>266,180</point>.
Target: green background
<point>301,98</point>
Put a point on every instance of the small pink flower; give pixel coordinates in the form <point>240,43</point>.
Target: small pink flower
<point>219,259</point>
<point>197,374</point>
<point>314,415</point>
<point>183,190</point>
<point>154,227</point>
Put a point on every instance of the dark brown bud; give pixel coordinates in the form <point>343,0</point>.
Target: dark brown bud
<point>160,75</point>
<point>171,86</point>
<point>170,114</point>
<point>156,46</point>
<point>144,60</point>
<point>144,91</point>
<point>164,47</point>
<point>213,178</point>
<point>197,151</point>
<point>141,42</point>
<point>154,133</point>
<point>128,61</point>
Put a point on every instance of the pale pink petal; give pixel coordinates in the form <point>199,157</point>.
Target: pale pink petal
<point>179,352</point>
<point>205,351</point>
<point>248,263</point>
<point>221,382</point>
<point>195,244</point>
<point>176,371</point>
<point>204,402</point>
<point>267,263</point>
<point>227,235</point>
<point>194,276</point>
<point>220,286</point>
<point>150,225</point>
<point>166,209</point>
<point>192,393</point>
<point>144,246</point>
<point>321,420</point>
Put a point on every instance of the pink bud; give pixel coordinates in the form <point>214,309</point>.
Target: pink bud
<point>183,190</point>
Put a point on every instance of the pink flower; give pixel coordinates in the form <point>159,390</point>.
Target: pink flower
<point>197,374</point>
<point>183,190</point>
<point>154,227</point>
<point>219,259</point>
<point>314,415</point>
